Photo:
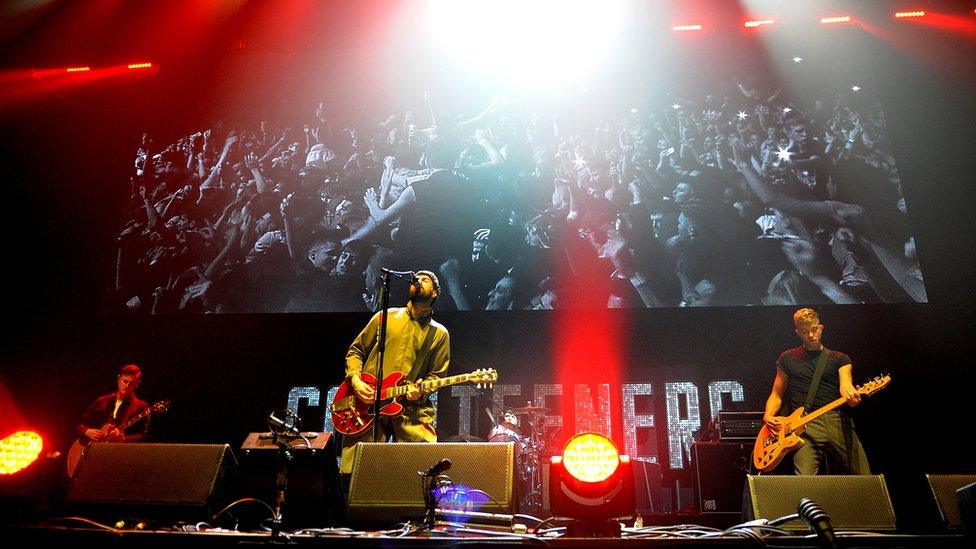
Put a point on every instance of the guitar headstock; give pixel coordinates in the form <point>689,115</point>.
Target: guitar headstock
<point>875,385</point>
<point>484,377</point>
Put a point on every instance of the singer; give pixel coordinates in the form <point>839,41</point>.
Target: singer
<point>416,345</point>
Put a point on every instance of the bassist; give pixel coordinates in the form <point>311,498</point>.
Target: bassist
<point>417,346</point>
<point>796,385</point>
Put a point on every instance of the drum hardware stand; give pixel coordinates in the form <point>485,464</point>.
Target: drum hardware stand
<point>531,464</point>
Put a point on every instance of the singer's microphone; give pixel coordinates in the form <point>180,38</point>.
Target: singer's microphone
<point>406,275</point>
<point>818,521</point>
<point>275,421</point>
<point>438,468</point>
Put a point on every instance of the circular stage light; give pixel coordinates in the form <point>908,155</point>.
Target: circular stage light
<point>590,457</point>
<point>19,450</point>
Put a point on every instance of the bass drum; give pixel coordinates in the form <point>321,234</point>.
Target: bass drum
<point>507,432</point>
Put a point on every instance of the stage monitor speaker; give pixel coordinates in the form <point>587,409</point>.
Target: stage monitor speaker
<point>385,487</point>
<point>720,474</point>
<point>943,489</point>
<point>172,480</point>
<point>853,502</point>
<point>312,495</point>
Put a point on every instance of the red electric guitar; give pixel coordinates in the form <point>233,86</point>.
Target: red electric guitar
<point>351,416</point>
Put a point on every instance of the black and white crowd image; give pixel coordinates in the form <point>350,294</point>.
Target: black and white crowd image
<point>731,193</point>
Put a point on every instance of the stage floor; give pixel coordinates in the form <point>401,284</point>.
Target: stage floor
<point>61,531</point>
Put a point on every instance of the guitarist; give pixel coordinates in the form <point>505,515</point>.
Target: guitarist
<point>833,433</point>
<point>415,344</point>
<point>98,424</point>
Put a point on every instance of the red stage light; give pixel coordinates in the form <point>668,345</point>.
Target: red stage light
<point>593,483</point>
<point>836,19</point>
<point>686,28</point>
<point>19,450</point>
<point>77,69</point>
<point>590,457</point>
<point>904,14</point>
<point>757,23</point>
<point>134,66</point>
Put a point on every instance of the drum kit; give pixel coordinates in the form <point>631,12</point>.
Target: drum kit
<point>526,428</point>
<point>531,443</point>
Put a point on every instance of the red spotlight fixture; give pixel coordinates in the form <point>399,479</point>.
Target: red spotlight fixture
<point>19,450</point>
<point>77,69</point>
<point>686,28</point>
<point>908,14</point>
<point>27,474</point>
<point>835,19</point>
<point>757,23</point>
<point>136,66</point>
<point>592,483</point>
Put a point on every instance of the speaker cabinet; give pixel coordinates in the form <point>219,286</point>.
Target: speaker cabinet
<point>648,478</point>
<point>943,489</point>
<point>853,502</point>
<point>175,480</point>
<point>312,496</point>
<point>966,500</point>
<point>720,475</point>
<point>385,486</point>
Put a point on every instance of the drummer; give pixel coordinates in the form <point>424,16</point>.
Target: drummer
<point>510,417</point>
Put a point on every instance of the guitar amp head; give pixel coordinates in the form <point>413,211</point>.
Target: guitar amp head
<point>739,425</point>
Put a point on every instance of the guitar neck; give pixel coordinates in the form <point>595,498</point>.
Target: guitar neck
<point>155,408</point>
<point>428,386</point>
<point>821,411</point>
<point>135,419</point>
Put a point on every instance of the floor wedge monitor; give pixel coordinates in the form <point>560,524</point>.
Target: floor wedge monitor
<point>943,489</point>
<point>385,486</point>
<point>180,480</point>
<point>853,502</point>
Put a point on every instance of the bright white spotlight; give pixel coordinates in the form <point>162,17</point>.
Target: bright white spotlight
<point>530,44</point>
<point>783,155</point>
<point>797,59</point>
<point>855,88</point>
<point>742,115</point>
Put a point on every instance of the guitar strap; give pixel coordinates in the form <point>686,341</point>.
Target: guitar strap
<point>421,361</point>
<point>817,376</point>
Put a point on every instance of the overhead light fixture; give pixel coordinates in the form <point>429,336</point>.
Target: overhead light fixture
<point>835,19</point>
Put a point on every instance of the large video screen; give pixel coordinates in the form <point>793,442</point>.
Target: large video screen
<point>684,175</point>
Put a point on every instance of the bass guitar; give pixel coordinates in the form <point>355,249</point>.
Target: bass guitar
<point>80,446</point>
<point>351,416</point>
<point>772,446</point>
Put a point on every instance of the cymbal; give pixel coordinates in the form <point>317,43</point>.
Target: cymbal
<point>529,410</point>
<point>464,438</point>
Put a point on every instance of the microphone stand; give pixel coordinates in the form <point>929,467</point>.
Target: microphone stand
<point>381,342</point>
<point>285,456</point>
